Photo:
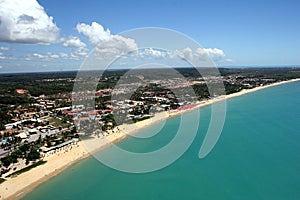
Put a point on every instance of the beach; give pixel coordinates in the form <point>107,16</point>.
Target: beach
<point>25,182</point>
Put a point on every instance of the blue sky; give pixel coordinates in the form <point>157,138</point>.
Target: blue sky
<point>249,33</point>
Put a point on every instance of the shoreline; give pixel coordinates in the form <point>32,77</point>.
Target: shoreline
<point>16,187</point>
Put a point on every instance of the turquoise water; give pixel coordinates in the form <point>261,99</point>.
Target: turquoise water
<point>256,157</point>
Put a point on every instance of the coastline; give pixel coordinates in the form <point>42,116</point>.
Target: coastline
<point>18,186</point>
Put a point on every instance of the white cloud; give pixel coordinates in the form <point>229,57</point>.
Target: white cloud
<point>54,56</point>
<point>107,45</point>
<point>82,51</point>
<point>47,57</point>
<point>2,57</point>
<point>153,53</point>
<point>213,53</point>
<point>74,57</point>
<point>63,55</point>
<point>37,55</point>
<point>4,48</point>
<point>26,22</point>
<point>228,60</point>
<point>201,54</point>
<point>74,42</point>
<point>94,32</point>
<point>116,46</point>
<point>199,57</point>
<point>185,53</point>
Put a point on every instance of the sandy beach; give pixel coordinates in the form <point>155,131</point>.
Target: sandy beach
<point>15,187</point>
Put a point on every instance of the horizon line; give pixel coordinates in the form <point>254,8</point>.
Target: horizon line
<point>128,68</point>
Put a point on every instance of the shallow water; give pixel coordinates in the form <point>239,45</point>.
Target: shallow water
<point>256,157</point>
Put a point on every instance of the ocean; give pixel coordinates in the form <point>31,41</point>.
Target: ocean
<point>257,157</point>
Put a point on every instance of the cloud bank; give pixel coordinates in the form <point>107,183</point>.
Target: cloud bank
<point>109,46</point>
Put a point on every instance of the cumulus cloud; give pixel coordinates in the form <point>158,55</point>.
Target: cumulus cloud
<point>26,22</point>
<point>4,48</point>
<point>81,51</point>
<point>213,53</point>
<point>201,54</point>
<point>185,53</point>
<point>107,45</point>
<point>47,57</point>
<point>151,52</point>
<point>116,46</point>
<point>2,56</point>
<point>54,56</point>
<point>74,57</point>
<point>37,55</point>
<point>50,56</point>
<point>63,55</point>
<point>95,32</point>
<point>74,42</point>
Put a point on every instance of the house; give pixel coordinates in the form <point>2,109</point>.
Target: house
<point>22,135</point>
<point>11,125</point>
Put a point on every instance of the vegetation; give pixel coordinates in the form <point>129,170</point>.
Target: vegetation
<point>26,151</point>
<point>140,119</point>
<point>40,162</point>
<point>2,180</point>
<point>109,122</point>
<point>4,116</point>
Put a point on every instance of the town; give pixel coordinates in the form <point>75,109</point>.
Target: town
<point>38,115</point>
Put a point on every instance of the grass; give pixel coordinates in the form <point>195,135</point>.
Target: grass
<point>55,121</point>
<point>41,162</point>
<point>135,120</point>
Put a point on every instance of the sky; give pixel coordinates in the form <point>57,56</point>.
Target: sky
<point>51,35</point>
